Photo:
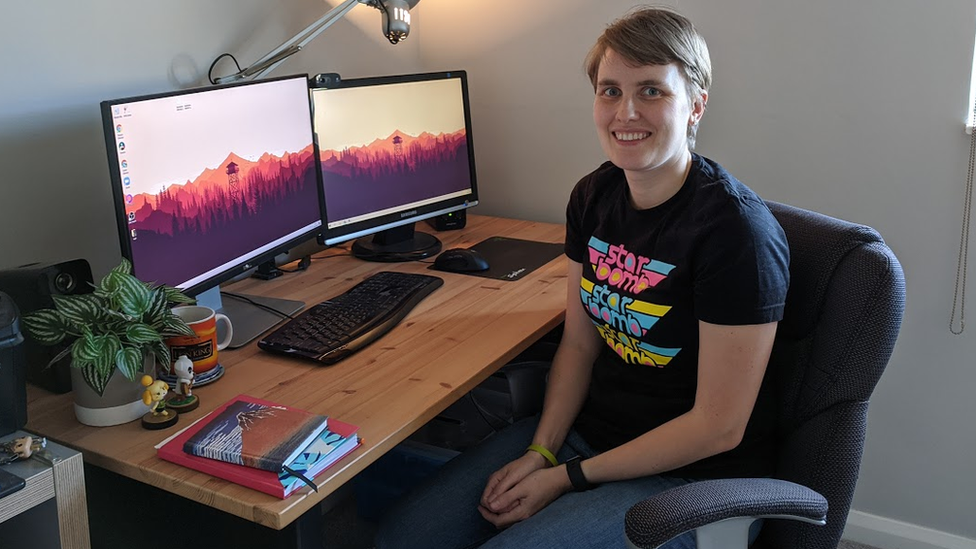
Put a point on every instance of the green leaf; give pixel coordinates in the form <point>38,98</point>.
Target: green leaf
<point>161,352</point>
<point>173,325</point>
<point>116,328</point>
<point>105,361</point>
<point>133,297</point>
<point>86,348</point>
<point>112,345</point>
<point>96,377</point>
<point>80,310</point>
<point>116,318</point>
<point>177,297</point>
<point>47,326</point>
<point>124,267</point>
<point>157,306</point>
<point>141,333</point>
<point>129,361</point>
<point>109,286</point>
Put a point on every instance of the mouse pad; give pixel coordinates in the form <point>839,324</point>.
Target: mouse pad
<point>513,258</point>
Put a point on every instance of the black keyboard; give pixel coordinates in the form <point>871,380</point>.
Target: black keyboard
<point>338,327</point>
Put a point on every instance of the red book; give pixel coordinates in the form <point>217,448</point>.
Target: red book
<point>265,481</point>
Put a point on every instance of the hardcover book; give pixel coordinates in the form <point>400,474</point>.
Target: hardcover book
<point>257,434</point>
<point>320,454</point>
<point>331,445</point>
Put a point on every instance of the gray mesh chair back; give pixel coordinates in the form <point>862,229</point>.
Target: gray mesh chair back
<point>843,312</point>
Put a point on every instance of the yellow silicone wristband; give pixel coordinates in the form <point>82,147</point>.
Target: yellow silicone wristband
<point>545,453</point>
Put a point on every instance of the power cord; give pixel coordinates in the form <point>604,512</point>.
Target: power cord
<point>304,263</point>
<point>256,304</point>
<point>346,254</point>
<point>214,64</point>
<point>485,414</point>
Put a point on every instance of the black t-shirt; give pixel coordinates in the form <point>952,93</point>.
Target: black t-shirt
<point>713,252</point>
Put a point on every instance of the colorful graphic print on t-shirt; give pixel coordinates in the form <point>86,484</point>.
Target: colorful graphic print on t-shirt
<point>622,320</point>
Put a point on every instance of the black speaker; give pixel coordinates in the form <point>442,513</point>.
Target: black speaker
<point>31,287</point>
<point>449,221</point>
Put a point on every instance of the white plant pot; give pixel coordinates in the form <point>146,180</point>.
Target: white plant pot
<point>120,403</point>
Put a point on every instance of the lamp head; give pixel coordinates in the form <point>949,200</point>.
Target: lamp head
<point>396,17</point>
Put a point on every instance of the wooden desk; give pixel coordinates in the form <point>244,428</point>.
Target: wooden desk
<point>451,342</point>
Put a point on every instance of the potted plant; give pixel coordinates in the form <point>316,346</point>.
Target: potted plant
<point>120,326</point>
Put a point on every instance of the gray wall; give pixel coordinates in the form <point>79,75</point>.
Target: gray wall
<point>854,108</point>
<point>850,107</point>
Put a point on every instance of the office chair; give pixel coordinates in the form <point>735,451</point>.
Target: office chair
<point>843,311</point>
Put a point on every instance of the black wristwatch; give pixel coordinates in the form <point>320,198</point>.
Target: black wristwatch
<point>576,478</point>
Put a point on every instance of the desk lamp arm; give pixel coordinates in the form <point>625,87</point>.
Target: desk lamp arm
<point>275,57</point>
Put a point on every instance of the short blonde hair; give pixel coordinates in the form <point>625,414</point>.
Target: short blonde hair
<point>656,36</point>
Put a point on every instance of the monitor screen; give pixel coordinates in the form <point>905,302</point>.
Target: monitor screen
<point>393,150</point>
<point>211,182</point>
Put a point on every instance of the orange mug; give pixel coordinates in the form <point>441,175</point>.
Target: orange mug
<point>201,348</point>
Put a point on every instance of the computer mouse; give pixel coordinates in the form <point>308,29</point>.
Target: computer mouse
<point>461,260</point>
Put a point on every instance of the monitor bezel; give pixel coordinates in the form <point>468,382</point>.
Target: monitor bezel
<point>243,265</point>
<point>395,219</point>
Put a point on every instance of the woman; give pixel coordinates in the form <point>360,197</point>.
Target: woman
<point>677,279</point>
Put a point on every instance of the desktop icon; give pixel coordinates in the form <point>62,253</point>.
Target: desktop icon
<point>125,164</point>
<point>122,146</point>
<point>118,128</point>
<point>126,181</point>
<point>132,217</point>
<point>133,233</point>
<point>116,110</point>
<point>128,199</point>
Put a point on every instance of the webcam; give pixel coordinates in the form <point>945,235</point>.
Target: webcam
<point>326,79</point>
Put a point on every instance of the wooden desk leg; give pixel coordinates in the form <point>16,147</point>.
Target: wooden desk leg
<point>69,492</point>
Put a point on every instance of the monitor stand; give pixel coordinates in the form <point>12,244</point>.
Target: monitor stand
<point>401,243</point>
<point>249,320</point>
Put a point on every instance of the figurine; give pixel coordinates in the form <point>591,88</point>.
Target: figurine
<point>184,376</point>
<point>154,396</point>
<point>20,448</point>
<point>184,400</point>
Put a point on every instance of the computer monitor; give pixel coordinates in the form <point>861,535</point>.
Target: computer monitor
<point>393,150</point>
<point>212,182</point>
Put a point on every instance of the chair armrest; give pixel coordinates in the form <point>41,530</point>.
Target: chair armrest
<point>675,511</point>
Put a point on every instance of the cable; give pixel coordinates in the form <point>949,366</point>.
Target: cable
<point>484,412</point>
<point>959,297</point>
<point>256,304</point>
<point>347,254</point>
<point>214,64</point>
<point>303,264</point>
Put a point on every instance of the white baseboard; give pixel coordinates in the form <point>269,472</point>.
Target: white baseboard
<point>892,534</point>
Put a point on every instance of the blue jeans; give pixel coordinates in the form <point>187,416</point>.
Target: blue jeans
<point>443,512</point>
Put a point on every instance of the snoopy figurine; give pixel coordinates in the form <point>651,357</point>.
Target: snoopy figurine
<point>184,400</point>
<point>154,396</point>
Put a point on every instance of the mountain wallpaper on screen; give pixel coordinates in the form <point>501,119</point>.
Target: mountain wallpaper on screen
<point>222,214</point>
<point>395,170</point>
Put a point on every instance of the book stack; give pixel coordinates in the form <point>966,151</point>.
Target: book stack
<point>262,445</point>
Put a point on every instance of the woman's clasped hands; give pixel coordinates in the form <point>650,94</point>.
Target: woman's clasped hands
<point>521,489</point>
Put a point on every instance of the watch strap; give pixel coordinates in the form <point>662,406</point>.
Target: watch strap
<point>575,471</point>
